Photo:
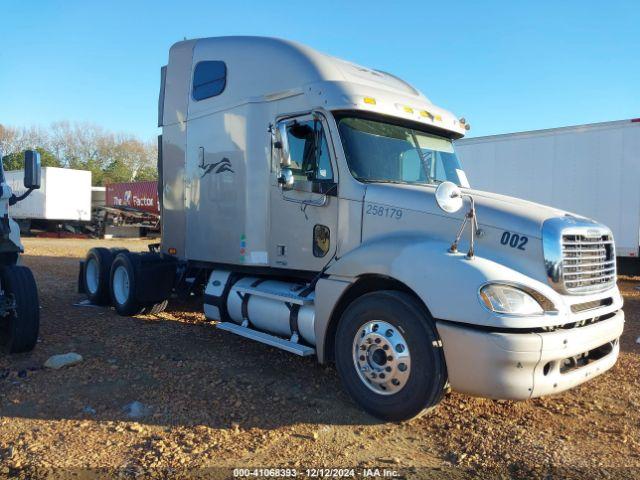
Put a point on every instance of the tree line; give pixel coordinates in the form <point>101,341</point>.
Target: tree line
<point>111,157</point>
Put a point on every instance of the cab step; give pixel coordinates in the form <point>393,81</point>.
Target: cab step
<point>267,339</point>
<point>286,297</point>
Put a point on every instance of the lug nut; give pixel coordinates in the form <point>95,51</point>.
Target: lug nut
<point>402,367</point>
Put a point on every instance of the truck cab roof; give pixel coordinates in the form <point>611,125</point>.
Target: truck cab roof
<point>262,69</point>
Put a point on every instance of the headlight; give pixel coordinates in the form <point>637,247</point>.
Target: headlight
<point>507,299</point>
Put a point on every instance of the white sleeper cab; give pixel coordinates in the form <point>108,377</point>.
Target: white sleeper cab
<point>318,206</point>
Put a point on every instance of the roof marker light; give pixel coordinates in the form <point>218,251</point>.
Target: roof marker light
<point>407,109</point>
<point>370,100</point>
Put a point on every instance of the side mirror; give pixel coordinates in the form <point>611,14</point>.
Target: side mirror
<point>282,144</point>
<point>285,179</point>
<point>32,169</point>
<point>449,197</point>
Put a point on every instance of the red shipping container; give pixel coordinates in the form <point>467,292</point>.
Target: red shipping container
<point>141,196</point>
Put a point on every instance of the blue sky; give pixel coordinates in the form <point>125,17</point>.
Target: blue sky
<point>506,66</point>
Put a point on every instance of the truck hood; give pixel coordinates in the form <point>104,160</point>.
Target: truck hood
<point>493,210</point>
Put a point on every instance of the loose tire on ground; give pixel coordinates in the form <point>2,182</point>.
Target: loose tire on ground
<point>122,283</point>
<point>419,377</point>
<point>19,329</point>
<point>97,269</point>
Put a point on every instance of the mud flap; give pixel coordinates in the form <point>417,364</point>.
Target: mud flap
<point>81,288</point>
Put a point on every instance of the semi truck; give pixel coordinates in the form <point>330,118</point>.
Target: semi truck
<point>561,166</point>
<point>318,206</point>
<point>19,305</point>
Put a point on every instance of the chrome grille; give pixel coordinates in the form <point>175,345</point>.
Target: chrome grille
<point>588,262</point>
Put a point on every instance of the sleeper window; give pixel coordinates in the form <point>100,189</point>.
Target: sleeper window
<point>209,79</point>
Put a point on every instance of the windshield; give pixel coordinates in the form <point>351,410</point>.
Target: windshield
<point>377,151</point>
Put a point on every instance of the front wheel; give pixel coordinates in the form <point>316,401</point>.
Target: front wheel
<point>389,355</point>
<point>20,323</point>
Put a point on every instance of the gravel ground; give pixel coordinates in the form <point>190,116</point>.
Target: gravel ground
<point>215,400</point>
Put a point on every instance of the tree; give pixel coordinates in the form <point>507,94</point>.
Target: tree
<point>109,156</point>
<point>15,160</point>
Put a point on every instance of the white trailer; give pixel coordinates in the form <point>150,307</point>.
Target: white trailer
<point>65,195</point>
<point>591,170</point>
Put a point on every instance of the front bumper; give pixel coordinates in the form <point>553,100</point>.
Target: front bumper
<point>519,366</point>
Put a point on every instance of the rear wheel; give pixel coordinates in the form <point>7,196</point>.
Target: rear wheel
<point>97,268</point>
<point>123,286</point>
<point>389,357</point>
<point>19,327</point>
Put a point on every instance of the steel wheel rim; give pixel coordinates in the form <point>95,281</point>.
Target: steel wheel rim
<point>121,285</point>
<point>381,357</point>
<point>92,275</point>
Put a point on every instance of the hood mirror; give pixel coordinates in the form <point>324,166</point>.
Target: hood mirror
<point>449,197</point>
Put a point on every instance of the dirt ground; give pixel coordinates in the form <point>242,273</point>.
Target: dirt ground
<point>216,400</point>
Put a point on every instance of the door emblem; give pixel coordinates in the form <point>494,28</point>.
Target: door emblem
<point>223,165</point>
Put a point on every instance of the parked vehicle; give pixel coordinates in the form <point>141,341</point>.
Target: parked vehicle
<point>63,199</point>
<point>321,209</point>
<point>98,197</point>
<point>19,305</point>
<point>561,166</point>
<point>132,209</point>
<point>141,196</point>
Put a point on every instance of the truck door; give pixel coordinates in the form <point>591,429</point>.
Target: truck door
<point>304,202</point>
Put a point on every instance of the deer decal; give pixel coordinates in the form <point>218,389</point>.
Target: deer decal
<point>223,165</point>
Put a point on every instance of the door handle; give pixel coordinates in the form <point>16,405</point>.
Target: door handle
<point>321,202</point>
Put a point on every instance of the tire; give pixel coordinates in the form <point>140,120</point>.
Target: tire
<point>122,283</point>
<point>97,268</point>
<point>411,377</point>
<point>19,329</point>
